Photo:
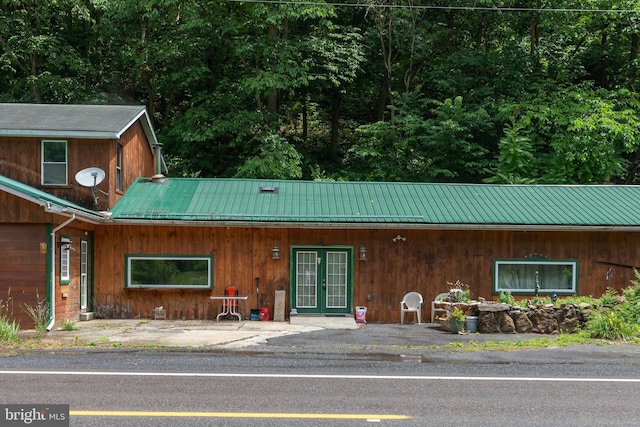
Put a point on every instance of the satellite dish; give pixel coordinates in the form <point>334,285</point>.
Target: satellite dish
<point>90,177</point>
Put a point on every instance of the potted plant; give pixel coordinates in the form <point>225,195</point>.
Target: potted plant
<point>457,318</point>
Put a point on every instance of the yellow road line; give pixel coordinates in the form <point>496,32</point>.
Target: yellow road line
<point>236,415</point>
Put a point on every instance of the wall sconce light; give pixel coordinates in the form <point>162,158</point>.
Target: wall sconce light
<point>363,253</point>
<point>399,237</point>
<point>275,252</point>
<point>65,245</point>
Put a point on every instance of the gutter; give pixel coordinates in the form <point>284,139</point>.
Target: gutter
<point>370,225</point>
<point>53,269</point>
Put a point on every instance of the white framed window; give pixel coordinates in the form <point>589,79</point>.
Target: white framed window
<point>535,275</point>
<point>118,167</point>
<point>169,271</point>
<point>65,260</point>
<point>54,163</point>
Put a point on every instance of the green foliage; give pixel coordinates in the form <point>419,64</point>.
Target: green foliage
<point>505,297</point>
<point>364,94</point>
<point>38,313</point>
<point>9,329</point>
<point>515,163</point>
<point>276,159</point>
<point>610,325</point>
<point>609,298</point>
<point>457,314</point>
<point>443,145</point>
<point>69,325</point>
<point>617,320</point>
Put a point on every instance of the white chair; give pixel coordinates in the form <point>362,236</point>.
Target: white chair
<point>435,309</point>
<point>411,303</point>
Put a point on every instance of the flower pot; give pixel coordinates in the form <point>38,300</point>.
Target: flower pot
<point>456,325</point>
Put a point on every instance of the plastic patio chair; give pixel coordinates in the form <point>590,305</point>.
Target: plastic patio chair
<point>434,309</point>
<point>411,303</point>
<point>230,291</point>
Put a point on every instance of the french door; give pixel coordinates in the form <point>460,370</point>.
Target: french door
<point>322,280</point>
<point>84,275</point>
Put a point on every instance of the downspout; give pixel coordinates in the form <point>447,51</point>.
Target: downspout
<point>53,269</point>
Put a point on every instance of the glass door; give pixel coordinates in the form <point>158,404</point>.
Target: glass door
<point>84,274</point>
<point>322,280</point>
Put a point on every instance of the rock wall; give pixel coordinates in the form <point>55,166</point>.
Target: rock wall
<point>541,319</point>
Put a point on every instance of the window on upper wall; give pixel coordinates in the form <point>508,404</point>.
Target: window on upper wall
<point>54,163</point>
<point>65,260</point>
<point>528,276</point>
<point>167,271</point>
<point>119,167</point>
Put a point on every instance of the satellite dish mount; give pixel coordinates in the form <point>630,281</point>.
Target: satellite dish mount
<point>91,177</point>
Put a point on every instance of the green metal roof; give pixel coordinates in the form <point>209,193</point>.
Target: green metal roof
<point>420,204</point>
<point>50,202</point>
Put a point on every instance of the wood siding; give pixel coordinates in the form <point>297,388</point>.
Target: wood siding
<point>424,262</point>
<point>137,158</point>
<point>21,160</point>
<point>23,269</point>
<point>25,247</point>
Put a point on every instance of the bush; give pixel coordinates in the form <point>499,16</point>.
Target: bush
<point>610,325</point>
<point>9,330</point>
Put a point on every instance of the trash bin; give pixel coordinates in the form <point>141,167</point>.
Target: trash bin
<point>472,324</point>
<point>361,314</point>
<point>265,314</point>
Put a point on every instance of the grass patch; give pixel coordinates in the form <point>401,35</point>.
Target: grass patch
<point>69,325</point>
<point>9,331</point>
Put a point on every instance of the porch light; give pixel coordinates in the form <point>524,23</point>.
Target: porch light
<point>275,252</point>
<point>363,253</point>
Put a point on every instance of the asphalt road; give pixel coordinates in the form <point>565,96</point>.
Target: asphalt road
<point>570,386</point>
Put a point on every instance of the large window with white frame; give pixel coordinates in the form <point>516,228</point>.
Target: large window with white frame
<point>54,163</point>
<point>169,271</point>
<point>538,275</point>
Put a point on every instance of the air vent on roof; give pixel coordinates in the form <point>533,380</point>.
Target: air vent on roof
<point>158,179</point>
<point>269,189</point>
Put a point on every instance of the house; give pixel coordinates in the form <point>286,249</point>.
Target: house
<point>332,246</point>
<point>138,240</point>
<point>48,217</point>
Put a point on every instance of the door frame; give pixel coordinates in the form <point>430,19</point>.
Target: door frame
<point>321,306</point>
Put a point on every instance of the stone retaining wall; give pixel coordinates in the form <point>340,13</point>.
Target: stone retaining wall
<point>543,319</point>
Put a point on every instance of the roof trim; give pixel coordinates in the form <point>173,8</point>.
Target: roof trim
<point>50,203</point>
<point>61,134</point>
<point>374,225</point>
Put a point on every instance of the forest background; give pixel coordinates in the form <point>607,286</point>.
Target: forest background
<point>530,91</point>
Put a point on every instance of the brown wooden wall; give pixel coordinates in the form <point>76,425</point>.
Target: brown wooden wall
<point>20,159</point>
<point>23,273</point>
<point>138,160</point>
<point>424,262</point>
<point>22,270</point>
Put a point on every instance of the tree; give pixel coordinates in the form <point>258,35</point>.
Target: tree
<point>42,58</point>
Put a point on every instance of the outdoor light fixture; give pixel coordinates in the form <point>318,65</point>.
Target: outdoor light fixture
<point>399,237</point>
<point>363,253</point>
<point>275,252</point>
<point>65,245</point>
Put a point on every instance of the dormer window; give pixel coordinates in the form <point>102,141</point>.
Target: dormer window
<point>54,163</point>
